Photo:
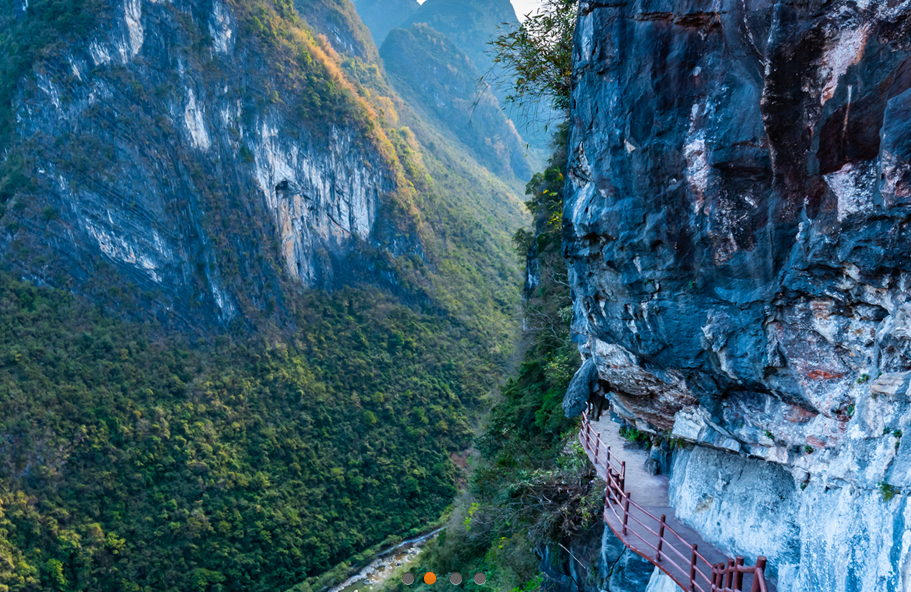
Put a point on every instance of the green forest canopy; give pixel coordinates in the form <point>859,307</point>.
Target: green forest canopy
<point>135,462</point>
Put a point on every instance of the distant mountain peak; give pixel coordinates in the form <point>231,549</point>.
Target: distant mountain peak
<point>381,16</point>
<point>471,24</point>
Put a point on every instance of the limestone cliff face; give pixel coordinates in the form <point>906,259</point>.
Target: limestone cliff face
<point>183,143</point>
<point>736,228</point>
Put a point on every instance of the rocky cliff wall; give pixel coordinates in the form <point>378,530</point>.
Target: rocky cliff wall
<point>736,227</point>
<point>187,142</point>
<point>595,561</point>
<point>817,537</point>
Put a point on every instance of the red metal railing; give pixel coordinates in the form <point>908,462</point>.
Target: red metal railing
<point>665,548</point>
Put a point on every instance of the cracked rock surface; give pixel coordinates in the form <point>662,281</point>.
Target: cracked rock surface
<point>736,227</point>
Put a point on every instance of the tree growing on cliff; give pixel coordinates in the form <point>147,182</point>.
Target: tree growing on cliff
<point>534,60</point>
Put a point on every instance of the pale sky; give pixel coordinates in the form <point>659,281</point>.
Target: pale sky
<point>522,7</point>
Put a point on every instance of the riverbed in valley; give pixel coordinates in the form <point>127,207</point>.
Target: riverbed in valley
<point>388,563</point>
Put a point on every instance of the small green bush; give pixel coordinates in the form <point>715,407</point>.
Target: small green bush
<point>887,491</point>
<point>631,434</point>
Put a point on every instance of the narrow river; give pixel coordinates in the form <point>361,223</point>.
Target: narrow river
<point>387,563</point>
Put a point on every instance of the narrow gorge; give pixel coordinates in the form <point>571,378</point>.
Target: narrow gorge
<point>264,324</point>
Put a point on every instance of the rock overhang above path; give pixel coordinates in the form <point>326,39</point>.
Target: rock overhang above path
<point>695,425</point>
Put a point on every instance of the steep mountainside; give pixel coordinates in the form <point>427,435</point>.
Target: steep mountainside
<point>443,83</point>
<point>131,142</point>
<point>250,300</point>
<point>130,145</point>
<point>381,16</point>
<point>737,231</point>
<point>338,20</point>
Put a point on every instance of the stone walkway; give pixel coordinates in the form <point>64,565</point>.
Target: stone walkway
<point>651,492</point>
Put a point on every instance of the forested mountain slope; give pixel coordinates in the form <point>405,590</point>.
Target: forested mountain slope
<point>339,22</point>
<point>249,299</point>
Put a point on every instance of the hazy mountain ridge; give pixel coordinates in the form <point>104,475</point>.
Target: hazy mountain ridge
<point>381,16</point>
<point>470,24</point>
<point>427,67</point>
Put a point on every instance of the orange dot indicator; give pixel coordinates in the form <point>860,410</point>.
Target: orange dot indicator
<point>430,578</point>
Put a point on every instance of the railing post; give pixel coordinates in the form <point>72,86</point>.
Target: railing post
<point>758,573</point>
<point>693,570</point>
<point>738,574</point>
<point>728,573</point>
<point>661,535</point>
<point>625,513</point>
<point>623,476</point>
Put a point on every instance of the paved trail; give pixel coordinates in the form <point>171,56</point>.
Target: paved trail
<point>651,492</point>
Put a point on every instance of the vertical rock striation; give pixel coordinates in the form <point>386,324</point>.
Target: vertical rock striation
<point>737,232</point>
<point>182,146</point>
<point>595,561</point>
